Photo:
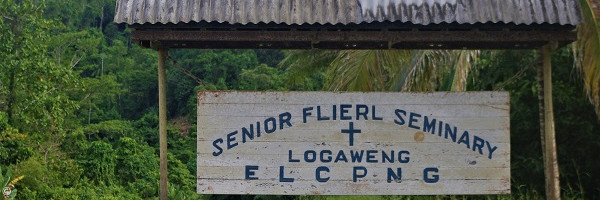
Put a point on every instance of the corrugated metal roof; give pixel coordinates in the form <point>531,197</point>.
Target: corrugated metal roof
<point>424,12</point>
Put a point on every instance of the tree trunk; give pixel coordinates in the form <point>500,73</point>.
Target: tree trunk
<point>11,95</point>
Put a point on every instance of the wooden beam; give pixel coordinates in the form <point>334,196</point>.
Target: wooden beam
<point>550,154</point>
<point>353,39</point>
<point>162,121</point>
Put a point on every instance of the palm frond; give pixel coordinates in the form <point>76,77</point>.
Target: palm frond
<point>430,70</point>
<point>387,70</point>
<point>426,66</point>
<point>464,63</point>
<point>364,70</point>
<point>1,178</point>
<point>6,178</point>
<point>303,63</point>
<point>587,52</point>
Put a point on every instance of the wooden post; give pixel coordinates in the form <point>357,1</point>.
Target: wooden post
<point>541,113</point>
<point>550,160</point>
<point>162,121</point>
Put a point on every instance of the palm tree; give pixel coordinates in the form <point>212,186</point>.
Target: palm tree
<point>430,70</point>
<point>587,50</point>
<point>385,70</point>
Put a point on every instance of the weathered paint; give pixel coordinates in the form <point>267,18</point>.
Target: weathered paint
<point>298,153</point>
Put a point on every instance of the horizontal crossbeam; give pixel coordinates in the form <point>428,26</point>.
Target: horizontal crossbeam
<point>323,39</point>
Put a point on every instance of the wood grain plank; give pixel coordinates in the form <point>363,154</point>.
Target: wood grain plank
<point>463,139</point>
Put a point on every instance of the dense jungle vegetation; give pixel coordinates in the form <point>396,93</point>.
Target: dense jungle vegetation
<point>79,119</point>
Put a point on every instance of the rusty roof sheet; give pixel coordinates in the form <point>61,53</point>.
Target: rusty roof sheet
<point>423,12</point>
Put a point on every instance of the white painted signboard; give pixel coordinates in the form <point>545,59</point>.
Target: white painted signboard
<point>312,143</point>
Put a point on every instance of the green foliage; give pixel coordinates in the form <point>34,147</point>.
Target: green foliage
<point>68,48</point>
<point>42,175</point>
<point>138,167</point>
<point>99,98</point>
<point>261,78</point>
<point>576,124</point>
<point>108,130</point>
<point>515,71</point>
<point>177,192</point>
<point>13,145</point>
<point>99,160</point>
<point>6,183</point>
<point>302,65</point>
<point>384,70</point>
<point>78,102</point>
<point>139,80</point>
<point>32,88</point>
<point>68,77</point>
<point>179,174</point>
<point>147,128</point>
<point>270,58</point>
<point>218,68</point>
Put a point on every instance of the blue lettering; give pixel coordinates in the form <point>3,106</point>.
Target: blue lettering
<point>273,127</point>
<point>434,178</point>
<point>450,132</point>
<point>356,156</point>
<point>440,128</point>
<point>282,177</point>
<point>344,110</point>
<point>324,158</point>
<point>318,173</point>
<point>306,113</point>
<point>371,156</point>
<point>478,143</point>
<point>219,149</point>
<point>250,171</point>
<point>319,117</point>
<point>231,140</point>
<point>310,156</point>
<point>492,149</point>
<point>385,156</point>
<point>247,134</point>
<point>285,118</point>
<point>398,112</point>
<point>429,126</point>
<point>393,176</point>
<point>374,114</point>
<point>414,118</point>
<point>334,112</point>
<point>341,156</point>
<point>364,112</point>
<point>355,175</point>
<point>465,139</point>
<point>403,159</point>
<point>257,129</point>
<point>290,159</point>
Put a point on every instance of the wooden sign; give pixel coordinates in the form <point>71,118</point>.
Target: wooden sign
<point>326,143</point>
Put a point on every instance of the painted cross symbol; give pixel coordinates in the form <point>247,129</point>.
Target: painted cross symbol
<point>351,131</point>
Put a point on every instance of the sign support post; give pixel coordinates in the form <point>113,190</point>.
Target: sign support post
<point>549,139</point>
<point>162,121</point>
